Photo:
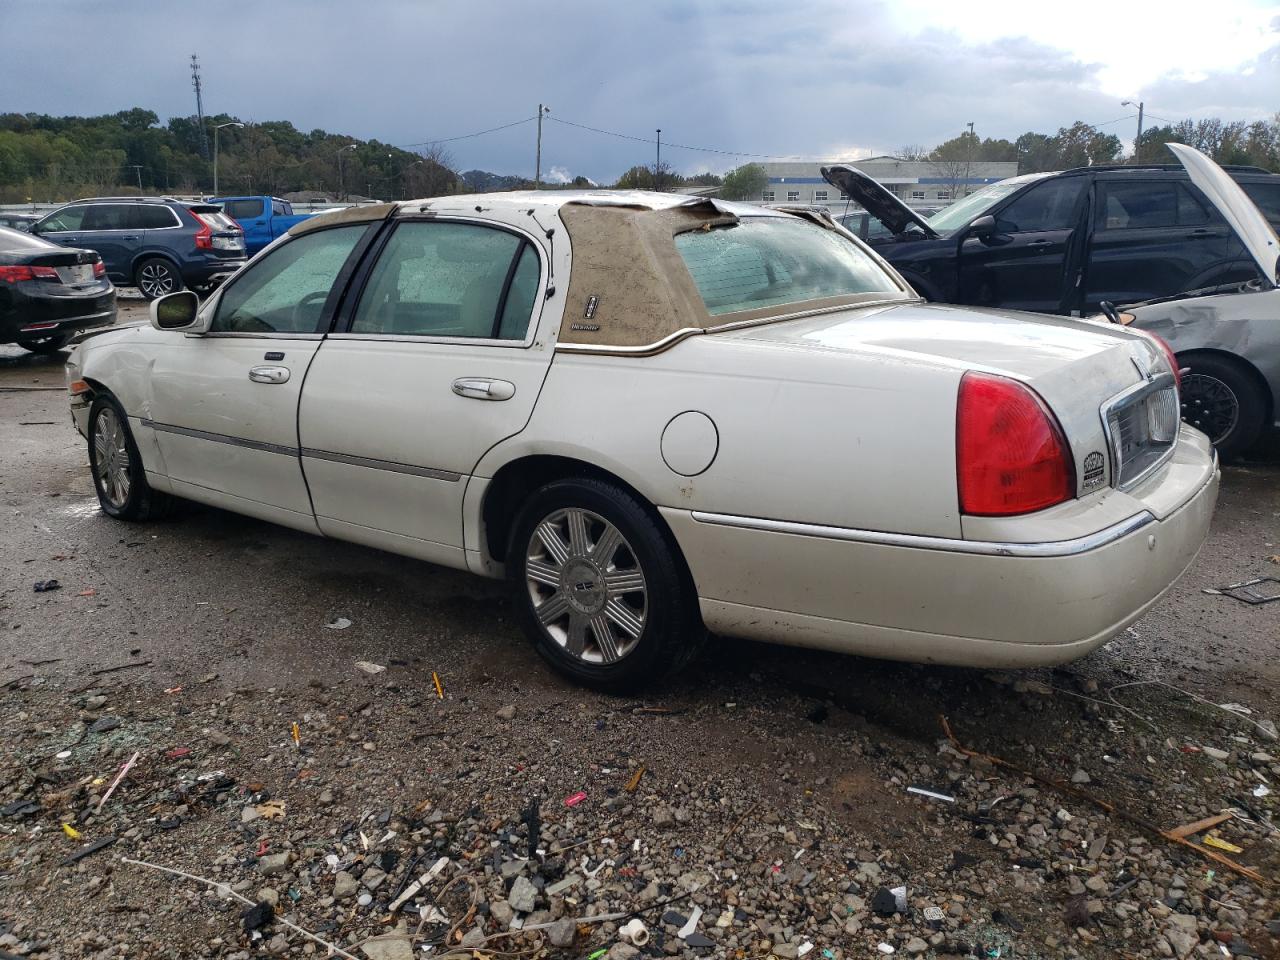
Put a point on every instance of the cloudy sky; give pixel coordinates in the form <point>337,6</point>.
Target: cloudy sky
<point>805,78</point>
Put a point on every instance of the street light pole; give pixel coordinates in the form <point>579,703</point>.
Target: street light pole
<point>1137,141</point>
<point>341,189</point>
<point>537,161</point>
<point>229,123</point>
<point>968,156</point>
<point>657,164</point>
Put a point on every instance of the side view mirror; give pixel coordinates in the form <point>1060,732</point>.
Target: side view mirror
<point>983,227</point>
<point>176,311</point>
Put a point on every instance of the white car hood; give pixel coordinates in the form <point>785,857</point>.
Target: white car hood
<point>1236,208</point>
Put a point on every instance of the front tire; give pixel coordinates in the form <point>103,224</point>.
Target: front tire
<point>1223,399</point>
<point>118,475</point>
<point>600,588</point>
<point>157,277</point>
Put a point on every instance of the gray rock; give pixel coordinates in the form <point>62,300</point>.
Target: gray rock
<point>560,886</point>
<point>507,712</point>
<point>473,938</point>
<point>345,886</point>
<point>1268,730</point>
<point>218,739</point>
<point>915,945</point>
<point>622,951</point>
<point>279,944</point>
<point>1215,753</point>
<point>95,703</point>
<point>392,947</point>
<point>501,912</point>
<point>560,933</point>
<point>663,817</point>
<point>373,878</point>
<point>522,896</point>
<point>274,863</point>
<point>786,951</point>
<point>1081,776</point>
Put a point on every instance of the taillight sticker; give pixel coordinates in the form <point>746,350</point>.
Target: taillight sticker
<point>1095,470</point>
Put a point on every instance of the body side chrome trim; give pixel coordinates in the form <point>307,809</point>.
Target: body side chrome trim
<point>429,472</point>
<point>220,438</point>
<point>1056,548</point>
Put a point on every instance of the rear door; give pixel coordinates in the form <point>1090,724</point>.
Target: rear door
<point>1024,264</point>
<point>224,405</point>
<point>112,230</point>
<point>1155,237</point>
<point>433,364</point>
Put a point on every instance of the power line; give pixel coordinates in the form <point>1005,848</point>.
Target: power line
<point>680,146</point>
<point>465,136</point>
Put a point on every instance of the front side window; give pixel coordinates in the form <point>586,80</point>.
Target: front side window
<point>762,262</point>
<point>1050,205</point>
<point>68,218</point>
<point>450,280</point>
<point>285,292</point>
<point>243,209</point>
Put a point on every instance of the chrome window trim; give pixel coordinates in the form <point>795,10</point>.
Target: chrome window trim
<point>411,338</point>
<point>243,335</point>
<point>1129,395</point>
<point>1053,548</point>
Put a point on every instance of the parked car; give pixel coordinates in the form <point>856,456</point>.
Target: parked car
<point>262,219</point>
<point>865,226</point>
<point>1227,339</point>
<point>156,244</point>
<point>18,221</point>
<point>656,414</point>
<point>1064,242</point>
<point>48,293</point>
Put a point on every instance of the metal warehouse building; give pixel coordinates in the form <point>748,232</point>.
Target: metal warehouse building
<point>919,183</point>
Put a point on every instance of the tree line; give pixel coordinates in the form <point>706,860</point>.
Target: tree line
<point>45,158</point>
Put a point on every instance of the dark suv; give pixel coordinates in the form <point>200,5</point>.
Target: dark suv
<point>1064,242</point>
<point>157,244</point>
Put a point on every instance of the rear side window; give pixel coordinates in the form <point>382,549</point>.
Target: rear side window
<point>1267,198</point>
<point>153,217</point>
<point>243,209</point>
<point>285,292</point>
<point>1148,204</point>
<point>279,209</point>
<point>450,280</point>
<point>766,261</point>
<point>1049,205</point>
<point>68,218</point>
<point>108,216</point>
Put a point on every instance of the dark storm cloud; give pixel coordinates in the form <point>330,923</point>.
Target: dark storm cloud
<point>756,77</point>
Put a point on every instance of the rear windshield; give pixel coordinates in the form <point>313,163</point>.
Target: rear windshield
<point>216,219</point>
<point>244,209</point>
<point>24,242</point>
<point>765,261</point>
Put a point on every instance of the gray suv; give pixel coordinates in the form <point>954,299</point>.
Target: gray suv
<point>156,244</point>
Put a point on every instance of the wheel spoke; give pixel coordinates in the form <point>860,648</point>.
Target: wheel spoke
<point>576,635</point>
<point>604,638</point>
<point>544,573</point>
<point>550,538</point>
<point>608,544</point>
<point>619,582</point>
<point>626,619</point>
<point>552,609</point>
<point>579,546</point>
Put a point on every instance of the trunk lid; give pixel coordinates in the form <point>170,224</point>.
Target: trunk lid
<point>1085,372</point>
<point>876,200</point>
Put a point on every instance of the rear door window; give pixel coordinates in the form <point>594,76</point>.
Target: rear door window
<point>108,216</point>
<point>1050,205</point>
<point>450,280</point>
<point>244,209</point>
<point>1267,198</point>
<point>1151,204</point>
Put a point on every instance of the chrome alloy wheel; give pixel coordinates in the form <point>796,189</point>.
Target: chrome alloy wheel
<point>111,458</point>
<point>586,586</point>
<point>155,280</point>
<point>1209,405</point>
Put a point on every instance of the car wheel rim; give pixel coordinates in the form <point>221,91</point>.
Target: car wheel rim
<point>111,458</point>
<point>1209,405</point>
<point>586,586</point>
<point>156,280</point>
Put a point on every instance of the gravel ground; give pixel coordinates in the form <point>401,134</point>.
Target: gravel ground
<point>758,803</point>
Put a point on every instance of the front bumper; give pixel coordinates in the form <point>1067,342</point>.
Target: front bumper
<point>978,603</point>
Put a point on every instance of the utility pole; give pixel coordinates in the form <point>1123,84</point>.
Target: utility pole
<point>342,189</point>
<point>657,164</point>
<point>1137,141</point>
<point>968,156</point>
<point>195,82</point>
<point>216,131</point>
<point>537,161</point>
<point>137,168</point>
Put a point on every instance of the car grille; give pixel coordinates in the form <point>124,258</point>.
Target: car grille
<point>1142,428</point>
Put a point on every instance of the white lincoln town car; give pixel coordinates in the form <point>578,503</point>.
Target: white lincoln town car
<point>659,415</point>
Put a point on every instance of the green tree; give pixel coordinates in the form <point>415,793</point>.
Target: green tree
<point>746,182</point>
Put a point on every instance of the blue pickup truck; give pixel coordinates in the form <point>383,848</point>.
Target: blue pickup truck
<point>262,218</point>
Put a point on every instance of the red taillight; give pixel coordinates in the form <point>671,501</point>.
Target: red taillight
<point>1168,355</point>
<point>204,236</point>
<point>1011,454</point>
<point>18,274</point>
<point>99,269</point>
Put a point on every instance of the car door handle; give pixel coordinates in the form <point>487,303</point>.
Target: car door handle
<point>480,388</point>
<point>269,374</point>
<point>1039,243</point>
<point>1200,235</point>
<point>129,237</point>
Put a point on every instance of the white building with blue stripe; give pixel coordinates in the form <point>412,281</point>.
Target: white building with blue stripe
<point>918,183</point>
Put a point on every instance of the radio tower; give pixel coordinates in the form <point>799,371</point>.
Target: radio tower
<point>195,82</point>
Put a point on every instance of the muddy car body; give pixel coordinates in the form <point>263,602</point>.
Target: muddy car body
<point>655,414</point>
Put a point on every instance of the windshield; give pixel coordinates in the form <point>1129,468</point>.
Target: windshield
<point>765,261</point>
<point>974,205</point>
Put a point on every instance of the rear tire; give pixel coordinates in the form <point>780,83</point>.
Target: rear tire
<point>116,465</point>
<point>600,588</point>
<point>1221,397</point>
<point>157,277</point>
<point>47,346</point>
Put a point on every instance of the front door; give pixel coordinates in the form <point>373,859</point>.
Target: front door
<point>1024,265</point>
<point>224,406</point>
<point>434,364</point>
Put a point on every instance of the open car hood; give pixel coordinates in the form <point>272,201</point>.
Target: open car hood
<point>1236,208</point>
<point>876,200</point>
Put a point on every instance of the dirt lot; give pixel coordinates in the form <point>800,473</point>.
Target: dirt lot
<point>765,787</point>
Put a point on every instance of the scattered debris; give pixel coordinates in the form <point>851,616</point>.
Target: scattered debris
<point>44,586</point>
<point>576,798</point>
<point>1211,841</point>
<point>99,844</point>
<point>128,765</point>
<point>634,932</point>
<point>338,623</point>
<point>1198,826</point>
<point>634,783</point>
<point>1257,591</point>
<point>133,665</point>
<point>691,924</point>
<point>435,678</point>
<point>373,669</point>
<point>933,794</point>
